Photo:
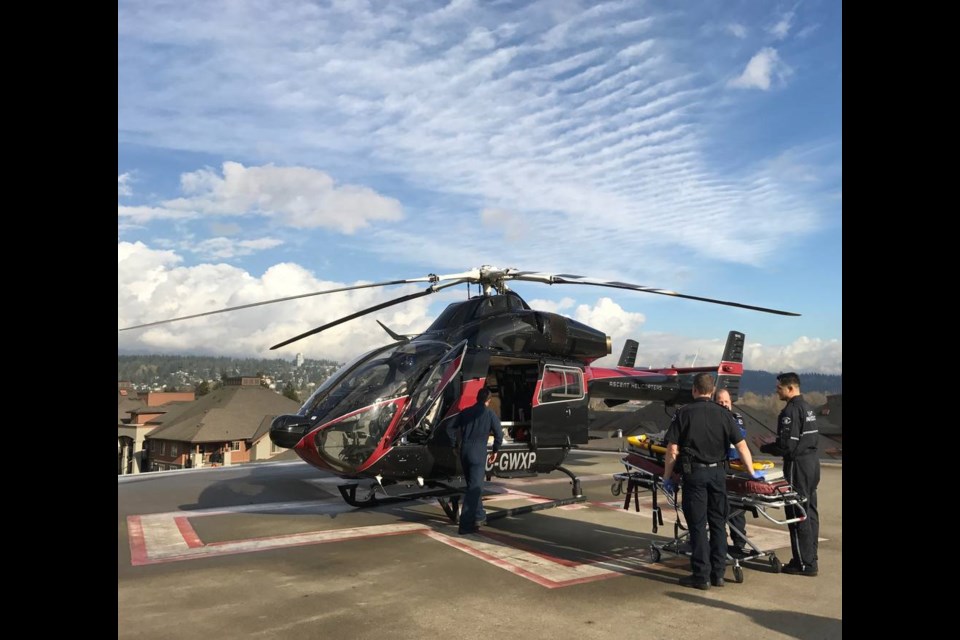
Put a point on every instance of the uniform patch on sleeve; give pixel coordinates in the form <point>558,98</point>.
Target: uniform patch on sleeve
<point>786,420</point>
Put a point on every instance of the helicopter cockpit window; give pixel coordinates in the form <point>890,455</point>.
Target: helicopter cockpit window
<point>360,406</point>
<point>561,384</point>
<point>384,374</point>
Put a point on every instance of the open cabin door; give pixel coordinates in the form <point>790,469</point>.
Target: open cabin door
<point>559,415</point>
<point>426,405</point>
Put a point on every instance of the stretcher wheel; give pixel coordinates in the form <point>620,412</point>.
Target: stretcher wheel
<point>654,553</point>
<point>616,488</point>
<point>775,564</point>
<point>738,574</point>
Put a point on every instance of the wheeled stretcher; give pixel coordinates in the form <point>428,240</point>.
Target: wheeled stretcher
<point>643,464</point>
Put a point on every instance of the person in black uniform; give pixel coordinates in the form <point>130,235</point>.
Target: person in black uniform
<point>699,435</point>
<point>469,432</point>
<point>797,443</point>
<point>738,544</point>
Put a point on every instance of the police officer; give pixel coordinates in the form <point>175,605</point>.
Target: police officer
<point>738,521</point>
<point>470,431</point>
<point>797,443</point>
<point>699,435</point>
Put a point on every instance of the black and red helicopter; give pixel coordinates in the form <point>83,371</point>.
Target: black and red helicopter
<point>379,420</point>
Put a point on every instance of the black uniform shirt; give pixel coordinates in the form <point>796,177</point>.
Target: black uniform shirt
<point>703,430</point>
<point>796,431</point>
<point>471,429</point>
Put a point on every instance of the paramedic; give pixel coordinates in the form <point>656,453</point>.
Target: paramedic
<point>698,437</point>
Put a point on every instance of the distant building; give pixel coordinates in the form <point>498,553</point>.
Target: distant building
<point>299,360</point>
<point>135,413</point>
<point>227,426</point>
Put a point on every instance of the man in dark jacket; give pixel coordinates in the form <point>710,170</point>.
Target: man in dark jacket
<point>797,443</point>
<point>469,433</point>
<point>699,435</point>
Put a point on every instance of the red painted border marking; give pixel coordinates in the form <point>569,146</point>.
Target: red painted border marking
<point>138,547</point>
<point>186,530</point>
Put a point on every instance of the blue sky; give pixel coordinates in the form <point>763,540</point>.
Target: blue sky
<point>267,149</point>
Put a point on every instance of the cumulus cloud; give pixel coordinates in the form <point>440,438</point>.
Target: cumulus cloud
<point>552,306</point>
<point>803,354</point>
<point>294,196</point>
<point>664,350</point>
<point>123,185</point>
<point>761,71</point>
<point>152,286</point>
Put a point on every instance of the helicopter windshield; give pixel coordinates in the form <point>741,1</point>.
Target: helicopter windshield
<point>364,394</point>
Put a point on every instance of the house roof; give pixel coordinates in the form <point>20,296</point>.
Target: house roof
<point>127,402</point>
<point>230,413</point>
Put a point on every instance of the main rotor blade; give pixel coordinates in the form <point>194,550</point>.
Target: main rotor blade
<point>363,312</point>
<point>564,278</point>
<point>430,278</point>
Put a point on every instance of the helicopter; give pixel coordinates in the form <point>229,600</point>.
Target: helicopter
<point>380,419</point>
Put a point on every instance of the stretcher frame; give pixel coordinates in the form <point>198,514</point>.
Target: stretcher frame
<point>757,504</point>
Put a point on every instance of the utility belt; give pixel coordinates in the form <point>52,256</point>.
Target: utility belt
<point>687,465</point>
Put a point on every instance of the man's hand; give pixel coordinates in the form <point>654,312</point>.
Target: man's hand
<point>669,486</point>
<point>491,458</point>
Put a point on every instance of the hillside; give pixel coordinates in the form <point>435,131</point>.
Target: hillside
<point>178,371</point>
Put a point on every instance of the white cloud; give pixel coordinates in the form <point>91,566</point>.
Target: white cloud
<point>140,214</point>
<point>807,31</point>
<point>295,196</point>
<point>610,318</point>
<point>781,29</point>
<point>152,286</point>
<point>737,30</point>
<point>663,350</point>
<point>123,185</point>
<point>552,306</point>
<point>528,107</point>
<point>761,70</point>
<point>803,354</point>
<point>510,225</point>
<point>223,248</point>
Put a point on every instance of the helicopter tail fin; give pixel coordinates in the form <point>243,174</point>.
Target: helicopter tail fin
<point>731,365</point>
<point>628,357</point>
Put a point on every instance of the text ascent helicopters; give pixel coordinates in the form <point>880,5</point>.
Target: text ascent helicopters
<point>379,420</point>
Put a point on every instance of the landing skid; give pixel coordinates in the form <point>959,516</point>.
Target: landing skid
<point>349,494</point>
<point>451,507</point>
<point>450,498</point>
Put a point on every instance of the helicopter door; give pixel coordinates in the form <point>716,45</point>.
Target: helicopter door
<point>559,415</point>
<point>425,405</point>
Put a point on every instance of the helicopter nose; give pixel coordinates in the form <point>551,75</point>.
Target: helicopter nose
<point>287,430</point>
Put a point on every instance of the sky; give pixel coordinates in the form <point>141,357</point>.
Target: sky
<point>273,148</point>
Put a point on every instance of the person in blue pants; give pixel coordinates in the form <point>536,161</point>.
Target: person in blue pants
<point>469,432</point>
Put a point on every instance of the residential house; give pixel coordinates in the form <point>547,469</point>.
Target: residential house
<point>136,415</point>
<point>227,426</point>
